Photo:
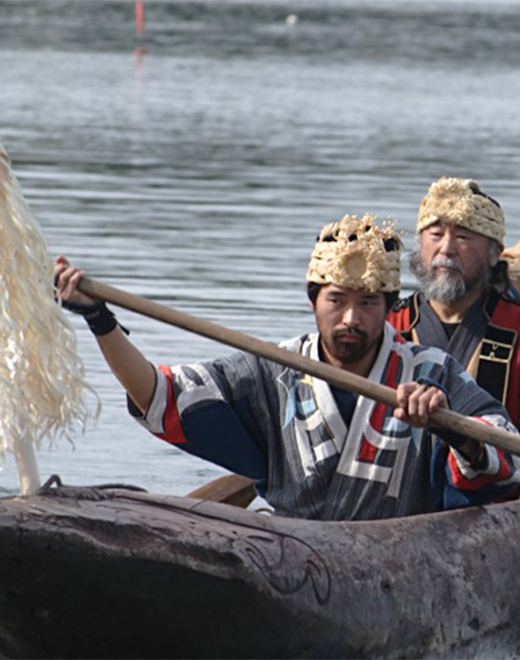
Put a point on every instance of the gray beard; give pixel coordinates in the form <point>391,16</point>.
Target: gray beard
<point>443,288</point>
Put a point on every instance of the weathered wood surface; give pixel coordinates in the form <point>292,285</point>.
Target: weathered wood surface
<point>118,574</point>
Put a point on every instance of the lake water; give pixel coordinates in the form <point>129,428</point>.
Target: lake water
<point>195,162</point>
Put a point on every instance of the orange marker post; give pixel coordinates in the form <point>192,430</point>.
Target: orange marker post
<point>139,16</point>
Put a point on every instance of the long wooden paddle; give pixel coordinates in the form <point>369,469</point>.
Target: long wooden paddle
<point>447,419</point>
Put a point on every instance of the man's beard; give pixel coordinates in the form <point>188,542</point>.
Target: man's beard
<point>350,352</point>
<point>445,288</point>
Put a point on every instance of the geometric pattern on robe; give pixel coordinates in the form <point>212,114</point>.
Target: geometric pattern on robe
<point>283,428</point>
<point>486,342</point>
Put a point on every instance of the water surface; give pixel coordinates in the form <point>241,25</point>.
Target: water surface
<point>198,173</point>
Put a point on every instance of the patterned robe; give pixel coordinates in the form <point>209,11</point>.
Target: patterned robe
<point>485,342</point>
<point>286,430</point>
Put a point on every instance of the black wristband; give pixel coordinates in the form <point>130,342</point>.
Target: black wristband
<point>99,318</point>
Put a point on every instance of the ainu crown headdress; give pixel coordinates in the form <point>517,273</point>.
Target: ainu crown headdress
<point>357,253</point>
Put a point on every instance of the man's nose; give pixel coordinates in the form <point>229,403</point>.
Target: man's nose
<point>351,316</point>
<point>448,244</point>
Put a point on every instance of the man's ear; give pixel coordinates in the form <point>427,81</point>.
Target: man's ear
<point>493,259</point>
<point>495,252</point>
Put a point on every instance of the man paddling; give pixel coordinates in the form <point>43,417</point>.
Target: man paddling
<point>317,451</point>
<point>465,303</point>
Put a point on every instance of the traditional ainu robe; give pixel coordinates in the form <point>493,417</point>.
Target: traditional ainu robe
<point>485,342</point>
<point>285,429</point>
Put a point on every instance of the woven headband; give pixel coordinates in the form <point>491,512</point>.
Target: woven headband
<point>461,202</point>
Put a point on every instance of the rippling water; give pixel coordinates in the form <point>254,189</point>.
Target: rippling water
<point>198,172</point>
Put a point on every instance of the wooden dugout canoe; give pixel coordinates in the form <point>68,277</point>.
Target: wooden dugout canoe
<point>113,573</point>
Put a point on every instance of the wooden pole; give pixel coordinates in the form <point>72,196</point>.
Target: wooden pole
<point>447,419</point>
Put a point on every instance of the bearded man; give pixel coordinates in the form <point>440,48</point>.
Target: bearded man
<point>314,450</point>
<point>465,303</point>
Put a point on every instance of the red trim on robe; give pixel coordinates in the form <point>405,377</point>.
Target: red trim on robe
<point>463,483</point>
<point>507,315</point>
<point>460,481</point>
<point>367,451</point>
<point>400,319</point>
<point>173,432</point>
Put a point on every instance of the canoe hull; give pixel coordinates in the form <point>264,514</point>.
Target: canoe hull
<point>87,573</point>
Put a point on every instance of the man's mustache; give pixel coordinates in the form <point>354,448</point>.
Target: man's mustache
<point>446,262</point>
<point>350,332</point>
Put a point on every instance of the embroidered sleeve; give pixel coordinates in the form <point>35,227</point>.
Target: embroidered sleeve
<point>498,477</point>
<point>192,410</point>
